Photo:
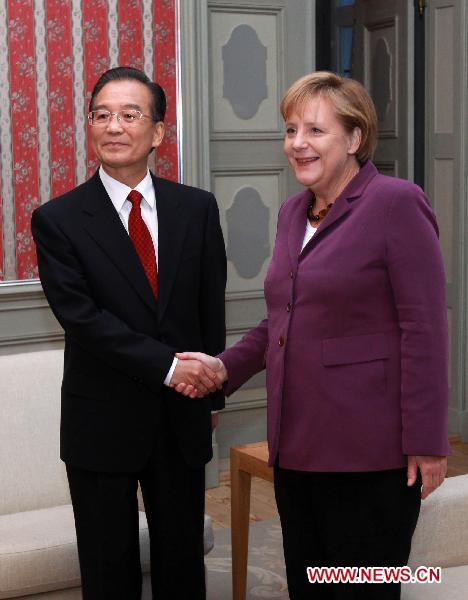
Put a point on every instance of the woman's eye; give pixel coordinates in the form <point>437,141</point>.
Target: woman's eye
<point>316,130</point>
<point>290,130</point>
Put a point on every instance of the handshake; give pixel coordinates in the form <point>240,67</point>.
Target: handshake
<point>198,374</point>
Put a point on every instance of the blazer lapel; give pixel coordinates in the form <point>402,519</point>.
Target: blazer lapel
<point>105,227</point>
<point>343,204</point>
<point>297,226</point>
<point>173,222</point>
<point>340,207</point>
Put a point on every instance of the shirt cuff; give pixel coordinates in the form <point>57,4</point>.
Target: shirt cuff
<point>169,375</point>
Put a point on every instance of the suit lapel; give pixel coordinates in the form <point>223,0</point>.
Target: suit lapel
<point>173,223</point>
<point>104,225</point>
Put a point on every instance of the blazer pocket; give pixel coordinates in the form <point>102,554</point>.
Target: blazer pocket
<point>355,349</point>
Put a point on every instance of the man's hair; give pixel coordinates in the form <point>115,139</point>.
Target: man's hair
<point>158,104</point>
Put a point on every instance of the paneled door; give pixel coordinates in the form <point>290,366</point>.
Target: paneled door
<point>446,177</point>
<point>256,49</point>
<point>238,57</point>
<point>383,62</point>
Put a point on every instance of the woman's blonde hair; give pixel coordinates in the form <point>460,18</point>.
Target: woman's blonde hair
<point>353,105</point>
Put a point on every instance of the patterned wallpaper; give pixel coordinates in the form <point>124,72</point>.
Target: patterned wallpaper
<point>51,54</point>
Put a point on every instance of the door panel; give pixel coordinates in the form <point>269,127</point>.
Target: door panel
<point>382,56</point>
<point>256,50</point>
<point>445,173</point>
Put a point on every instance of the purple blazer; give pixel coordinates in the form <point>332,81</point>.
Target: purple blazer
<point>355,339</point>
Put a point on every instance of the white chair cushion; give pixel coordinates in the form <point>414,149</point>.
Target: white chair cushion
<point>453,587</point>
<point>32,474</point>
<point>38,551</point>
<point>441,536</point>
<point>208,535</point>
<point>77,594</point>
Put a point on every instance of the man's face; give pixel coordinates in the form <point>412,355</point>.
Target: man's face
<point>119,146</point>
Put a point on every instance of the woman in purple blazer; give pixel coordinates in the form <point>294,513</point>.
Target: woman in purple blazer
<point>354,345</point>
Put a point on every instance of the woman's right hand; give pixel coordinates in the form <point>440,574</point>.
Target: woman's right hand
<point>433,471</point>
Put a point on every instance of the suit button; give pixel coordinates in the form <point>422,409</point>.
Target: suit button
<point>288,307</point>
<point>291,274</point>
<point>281,341</point>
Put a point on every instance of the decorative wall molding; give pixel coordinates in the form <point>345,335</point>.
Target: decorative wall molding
<point>385,31</point>
<point>230,186</point>
<point>25,318</point>
<point>194,75</point>
<point>247,399</point>
<point>246,136</point>
<point>387,167</point>
<point>266,122</point>
<point>463,222</point>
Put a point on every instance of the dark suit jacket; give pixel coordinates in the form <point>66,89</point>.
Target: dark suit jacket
<point>120,341</point>
<point>355,342</point>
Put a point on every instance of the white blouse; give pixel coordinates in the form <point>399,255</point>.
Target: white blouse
<point>309,234</point>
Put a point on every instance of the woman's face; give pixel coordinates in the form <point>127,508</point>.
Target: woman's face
<point>319,149</point>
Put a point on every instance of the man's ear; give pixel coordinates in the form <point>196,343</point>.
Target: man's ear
<point>355,140</point>
<point>158,135</point>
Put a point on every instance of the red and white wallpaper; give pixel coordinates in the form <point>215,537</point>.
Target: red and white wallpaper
<point>51,54</point>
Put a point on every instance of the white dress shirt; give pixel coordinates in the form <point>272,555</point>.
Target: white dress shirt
<point>118,193</point>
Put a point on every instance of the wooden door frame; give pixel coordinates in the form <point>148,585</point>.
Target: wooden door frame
<point>419,96</point>
<point>324,32</point>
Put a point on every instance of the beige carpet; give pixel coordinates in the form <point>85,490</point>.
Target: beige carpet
<point>266,576</point>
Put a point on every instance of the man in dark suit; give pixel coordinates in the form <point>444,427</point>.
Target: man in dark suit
<point>134,269</point>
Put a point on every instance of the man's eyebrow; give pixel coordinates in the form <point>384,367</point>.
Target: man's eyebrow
<point>104,106</point>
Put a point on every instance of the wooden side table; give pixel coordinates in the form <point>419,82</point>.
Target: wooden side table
<point>246,461</point>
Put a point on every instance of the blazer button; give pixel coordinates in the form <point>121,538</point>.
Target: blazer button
<point>291,274</point>
<point>288,307</point>
<point>281,341</point>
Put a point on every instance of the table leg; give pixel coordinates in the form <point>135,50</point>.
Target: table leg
<point>240,510</point>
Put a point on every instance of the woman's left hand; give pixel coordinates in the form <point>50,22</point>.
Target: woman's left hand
<point>433,471</point>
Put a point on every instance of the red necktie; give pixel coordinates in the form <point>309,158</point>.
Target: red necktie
<point>141,238</point>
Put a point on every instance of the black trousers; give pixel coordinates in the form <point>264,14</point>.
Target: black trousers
<point>106,519</point>
<point>345,519</point>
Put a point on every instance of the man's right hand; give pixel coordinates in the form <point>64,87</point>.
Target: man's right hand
<point>198,375</point>
<point>212,363</point>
